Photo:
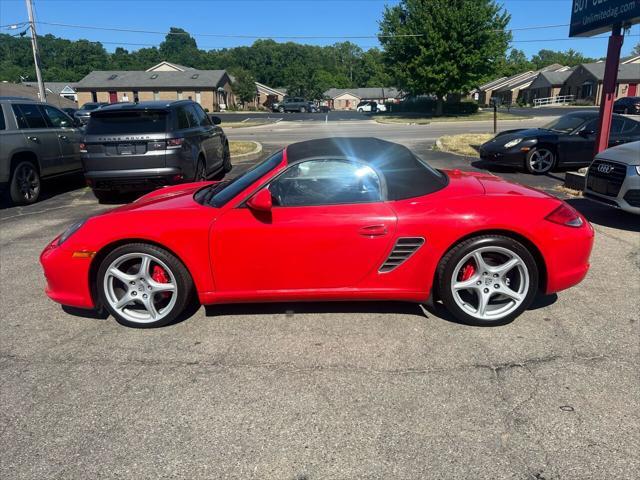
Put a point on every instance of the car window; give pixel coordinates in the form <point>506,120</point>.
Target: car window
<point>631,126</point>
<point>193,118</point>
<point>616,125</point>
<point>326,182</point>
<point>182,118</point>
<point>29,115</point>
<point>56,118</point>
<point>201,115</point>
<point>127,122</point>
<point>2,124</point>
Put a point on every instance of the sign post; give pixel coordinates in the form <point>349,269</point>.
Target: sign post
<point>591,17</point>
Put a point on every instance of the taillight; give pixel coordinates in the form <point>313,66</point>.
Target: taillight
<point>174,142</point>
<point>565,215</point>
<point>83,148</point>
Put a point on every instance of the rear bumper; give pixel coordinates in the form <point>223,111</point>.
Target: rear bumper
<point>136,179</point>
<point>67,277</point>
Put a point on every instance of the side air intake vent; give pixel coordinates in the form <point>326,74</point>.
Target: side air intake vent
<point>402,250</point>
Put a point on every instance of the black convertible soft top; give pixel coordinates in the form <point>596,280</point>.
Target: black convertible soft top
<point>406,175</point>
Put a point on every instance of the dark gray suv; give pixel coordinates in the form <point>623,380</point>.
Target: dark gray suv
<point>142,146</point>
<point>37,141</point>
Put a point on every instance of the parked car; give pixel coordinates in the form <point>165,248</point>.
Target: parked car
<point>370,106</point>
<point>567,141</point>
<point>614,178</point>
<point>293,104</point>
<point>142,146</point>
<point>628,105</point>
<point>327,219</point>
<point>37,141</point>
<point>84,112</point>
<point>324,109</point>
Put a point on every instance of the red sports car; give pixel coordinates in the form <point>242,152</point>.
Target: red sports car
<point>329,219</point>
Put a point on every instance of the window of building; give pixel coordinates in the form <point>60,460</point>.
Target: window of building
<point>156,95</point>
<point>136,98</point>
<point>179,94</point>
<point>94,97</point>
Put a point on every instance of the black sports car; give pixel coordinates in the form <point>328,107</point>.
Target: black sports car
<point>629,105</point>
<point>566,141</point>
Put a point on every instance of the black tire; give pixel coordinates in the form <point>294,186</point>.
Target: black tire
<point>107,196</point>
<point>538,151</point>
<point>200,174</point>
<point>448,264</point>
<point>185,291</point>
<point>25,183</point>
<point>226,163</point>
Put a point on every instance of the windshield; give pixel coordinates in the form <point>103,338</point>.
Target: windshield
<point>219,194</point>
<point>132,122</point>
<point>566,124</point>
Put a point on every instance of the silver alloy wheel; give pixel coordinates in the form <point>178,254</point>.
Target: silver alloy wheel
<point>133,292</point>
<point>497,283</point>
<point>541,160</point>
<point>28,181</point>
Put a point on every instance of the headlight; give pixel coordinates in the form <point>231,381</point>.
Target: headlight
<point>70,231</point>
<point>638,169</point>
<point>512,143</point>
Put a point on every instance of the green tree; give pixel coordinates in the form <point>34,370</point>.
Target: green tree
<point>459,42</point>
<point>244,85</point>
<point>570,58</point>
<point>180,47</point>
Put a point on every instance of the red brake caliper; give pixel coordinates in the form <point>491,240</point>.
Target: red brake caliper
<point>467,272</point>
<point>160,276</point>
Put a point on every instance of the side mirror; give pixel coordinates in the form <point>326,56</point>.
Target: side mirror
<point>261,201</point>
<point>216,120</point>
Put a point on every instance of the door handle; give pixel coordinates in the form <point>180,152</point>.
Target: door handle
<point>373,230</point>
<point>33,138</point>
<point>63,137</point>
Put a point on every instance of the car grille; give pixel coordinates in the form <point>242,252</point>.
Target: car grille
<point>632,197</point>
<point>606,177</point>
<point>402,250</point>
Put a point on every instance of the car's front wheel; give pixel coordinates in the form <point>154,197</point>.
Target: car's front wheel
<point>303,110</point>
<point>281,109</point>
<point>540,160</point>
<point>226,162</point>
<point>488,280</point>
<point>143,285</point>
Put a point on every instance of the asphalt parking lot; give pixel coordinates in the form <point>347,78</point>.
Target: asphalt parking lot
<point>315,391</point>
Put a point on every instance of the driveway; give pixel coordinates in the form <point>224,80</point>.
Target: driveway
<point>317,391</point>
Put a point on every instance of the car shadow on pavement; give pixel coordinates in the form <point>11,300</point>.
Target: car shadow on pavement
<point>606,216</point>
<point>51,188</point>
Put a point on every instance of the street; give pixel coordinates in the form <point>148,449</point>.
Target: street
<point>322,390</point>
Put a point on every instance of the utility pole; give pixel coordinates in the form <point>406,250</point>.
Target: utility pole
<point>36,54</point>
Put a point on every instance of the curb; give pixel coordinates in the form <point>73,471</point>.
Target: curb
<point>252,155</point>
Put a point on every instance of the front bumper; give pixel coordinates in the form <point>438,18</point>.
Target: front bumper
<point>625,196</point>
<point>499,156</point>
<point>133,180</point>
<point>67,276</point>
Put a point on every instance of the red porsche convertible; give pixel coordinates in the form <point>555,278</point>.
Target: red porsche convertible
<point>329,219</point>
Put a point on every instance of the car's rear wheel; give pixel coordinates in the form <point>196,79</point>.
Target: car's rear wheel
<point>201,171</point>
<point>540,160</point>
<point>226,165</point>
<point>488,280</point>
<point>143,285</point>
<point>25,184</point>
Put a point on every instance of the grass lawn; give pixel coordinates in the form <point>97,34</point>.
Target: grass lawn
<point>238,147</point>
<point>424,120</point>
<point>462,144</point>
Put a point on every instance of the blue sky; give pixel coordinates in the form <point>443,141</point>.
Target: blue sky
<point>275,17</point>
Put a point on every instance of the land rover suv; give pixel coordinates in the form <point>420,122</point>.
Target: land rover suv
<point>141,146</point>
<point>37,141</point>
<point>293,104</point>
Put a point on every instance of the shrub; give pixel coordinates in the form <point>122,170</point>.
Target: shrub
<point>427,105</point>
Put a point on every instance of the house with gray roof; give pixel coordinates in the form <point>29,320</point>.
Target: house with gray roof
<point>546,85</point>
<point>63,89</point>
<point>585,82</point>
<point>348,98</point>
<point>165,81</point>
